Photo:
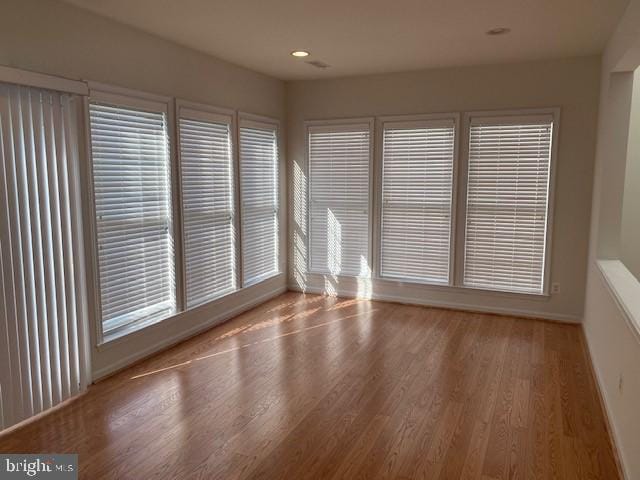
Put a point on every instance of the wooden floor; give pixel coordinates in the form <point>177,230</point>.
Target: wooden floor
<point>313,387</point>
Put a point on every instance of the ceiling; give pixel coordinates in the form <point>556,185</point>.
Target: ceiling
<point>371,36</point>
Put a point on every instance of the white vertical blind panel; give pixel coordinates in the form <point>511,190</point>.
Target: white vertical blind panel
<point>417,181</point>
<point>132,186</point>
<point>339,164</point>
<point>259,201</point>
<point>507,205</point>
<point>207,202</point>
<point>43,314</point>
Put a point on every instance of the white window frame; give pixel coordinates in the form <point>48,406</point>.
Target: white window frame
<point>208,113</point>
<point>515,116</point>
<point>420,120</point>
<point>333,124</point>
<point>260,122</point>
<point>120,96</point>
<point>42,80</point>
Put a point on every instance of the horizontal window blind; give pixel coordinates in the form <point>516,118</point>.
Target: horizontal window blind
<point>132,186</point>
<point>507,204</point>
<point>339,165</point>
<point>207,204</point>
<point>417,180</point>
<point>42,305</point>
<point>259,201</point>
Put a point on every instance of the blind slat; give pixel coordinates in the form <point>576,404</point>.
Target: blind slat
<point>132,187</point>
<point>339,166</point>
<point>417,181</point>
<point>507,206</point>
<point>259,202</point>
<point>207,202</point>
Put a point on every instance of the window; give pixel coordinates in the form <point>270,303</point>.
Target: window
<point>42,287</point>
<point>259,200</point>
<point>207,205</point>
<point>132,188</point>
<point>339,164</point>
<point>417,181</point>
<point>507,213</point>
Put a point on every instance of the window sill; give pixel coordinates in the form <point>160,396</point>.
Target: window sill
<point>467,289</point>
<point>445,287</point>
<point>261,279</point>
<point>625,289</point>
<point>136,326</point>
<point>217,304</point>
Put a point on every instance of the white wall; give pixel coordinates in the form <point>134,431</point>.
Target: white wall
<point>571,84</point>
<point>56,38</point>
<point>630,222</point>
<point>613,342</point>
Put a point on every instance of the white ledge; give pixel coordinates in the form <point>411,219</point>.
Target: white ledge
<point>625,288</point>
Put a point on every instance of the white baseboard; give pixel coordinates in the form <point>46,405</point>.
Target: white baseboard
<point>208,323</point>
<point>615,437</point>
<point>557,317</point>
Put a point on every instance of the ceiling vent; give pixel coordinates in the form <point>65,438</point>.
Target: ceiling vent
<point>318,64</point>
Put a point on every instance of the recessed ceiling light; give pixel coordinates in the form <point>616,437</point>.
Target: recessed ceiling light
<point>300,53</point>
<point>498,31</point>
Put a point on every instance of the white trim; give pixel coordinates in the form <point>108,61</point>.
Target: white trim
<point>259,125</point>
<point>249,119</point>
<point>203,115</point>
<point>338,121</point>
<point>176,207</point>
<point>506,117</point>
<point>126,92</point>
<point>514,112</point>
<point>343,124</point>
<point>200,327</point>
<point>120,100</point>
<point>262,279</point>
<point>608,411</point>
<point>112,95</point>
<point>428,119</point>
<point>206,113</point>
<point>375,201</point>
<point>407,121</point>
<point>235,159</point>
<point>625,290</point>
<point>271,124</point>
<point>409,124</point>
<point>551,205</point>
<point>340,127</point>
<point>471,307</point>
<point>76,192</point>
<point>512,118</point>
<point>383,282</point>
<point>202,107</point>
<point>91,254</point>
<point>42,80</point>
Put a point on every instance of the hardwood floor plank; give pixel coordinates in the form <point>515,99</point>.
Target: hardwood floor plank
<point>313,387</point>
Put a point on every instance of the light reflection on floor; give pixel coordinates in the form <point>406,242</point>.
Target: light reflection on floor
<point>259,342</point>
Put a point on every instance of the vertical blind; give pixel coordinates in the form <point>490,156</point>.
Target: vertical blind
<point>43,325</point>
<point>339,164</point>
<point>259,201</point>
<point>507,204</point>
<point>207,206</point>
<point>417,179</point>
<point>132,186</point>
